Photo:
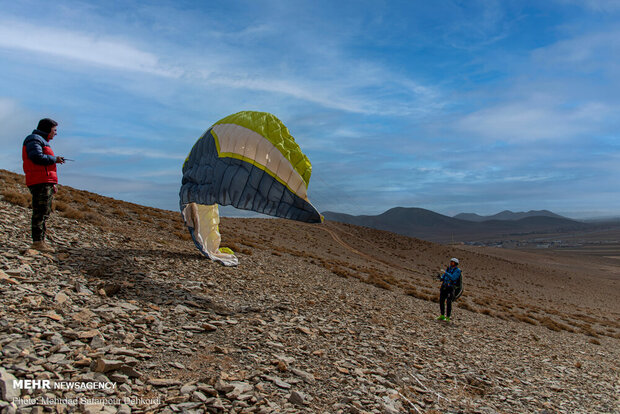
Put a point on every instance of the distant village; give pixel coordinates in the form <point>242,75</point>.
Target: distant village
<point>544,243</point>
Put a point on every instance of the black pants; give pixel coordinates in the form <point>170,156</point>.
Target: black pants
<point>42,195</point>
<point>446,294</point>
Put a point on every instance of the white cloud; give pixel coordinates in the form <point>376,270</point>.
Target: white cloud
<point>133,152</point>
<point>16,123</point>
<point>346,84</point>
<point>532,121</point>
<point>604,6</point>
<point>88,48</point>
<point>591,51</point>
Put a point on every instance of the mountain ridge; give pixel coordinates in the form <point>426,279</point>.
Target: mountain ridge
<point>508,215</point>
<point>429,225</point>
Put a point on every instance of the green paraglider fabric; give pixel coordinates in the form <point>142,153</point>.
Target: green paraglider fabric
<point>249,160</point>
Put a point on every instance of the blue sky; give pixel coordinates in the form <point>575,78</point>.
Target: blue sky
<point>454,106</point>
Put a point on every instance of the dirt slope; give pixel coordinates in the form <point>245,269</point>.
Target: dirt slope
<point>317,318</point>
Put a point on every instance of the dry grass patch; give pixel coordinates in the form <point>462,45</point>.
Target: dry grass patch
<point>524,318</point>
<point>378,281</point>
<point>413,291</point>
<point>16,197</point>
<point>94,218</point>
<point>467,306</point>
<point>553,325</point>
<point>60,206</point>
<point>184,235</point>
<point>72,213</point>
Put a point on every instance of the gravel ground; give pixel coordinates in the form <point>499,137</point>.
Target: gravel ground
<point>166,330</point>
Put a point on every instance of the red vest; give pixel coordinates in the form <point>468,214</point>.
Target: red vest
<point>39,174</point>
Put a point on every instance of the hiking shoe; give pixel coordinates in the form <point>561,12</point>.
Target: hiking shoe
<point>441,318</point>
<point>42,247</point>
<point>447,319</point>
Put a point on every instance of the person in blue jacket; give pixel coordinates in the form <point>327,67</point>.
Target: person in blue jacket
<point>449,280</point>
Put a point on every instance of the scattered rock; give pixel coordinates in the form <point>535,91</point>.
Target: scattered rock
<point>106,365</point>
<point>7,391</point>
<point>278,333</point>
<point>164,382</point>
<point>297,398</point>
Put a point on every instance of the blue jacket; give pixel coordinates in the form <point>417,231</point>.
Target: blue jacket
<point>39,160</point>
<point>34,145</point>
<point>451,276</point>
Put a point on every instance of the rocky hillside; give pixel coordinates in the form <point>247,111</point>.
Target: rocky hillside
<point>327,318</point>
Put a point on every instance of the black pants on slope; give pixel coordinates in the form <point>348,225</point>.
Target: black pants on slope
<point>446,294</point>
<point>42,195</point>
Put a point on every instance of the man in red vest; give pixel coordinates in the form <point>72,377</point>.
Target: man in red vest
<point>41,177</point>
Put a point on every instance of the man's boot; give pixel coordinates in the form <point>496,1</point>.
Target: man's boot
<point>42,247</point>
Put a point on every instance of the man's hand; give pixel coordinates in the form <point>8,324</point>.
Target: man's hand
<point>60,160</point>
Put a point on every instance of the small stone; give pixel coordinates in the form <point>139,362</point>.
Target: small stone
<point>209,327</point>
<point>84,315</point>
<point>131,372</point>
<point>56,339</point>
<point>188,389</point>
<point>61,298</point>
<point>4,278</point>
<point>53,316</point>
<point>240,388</point>
<point>163,382</point>
<point>388,407</point>
<point>89,334</point>
<point>93,408</point>
<point>220,350</point>
<point>304,330</point>
<point>306,376</point>
<point>297,398</point>
<point>56,358</point>
<point>278,382</point>
<point>83,362</point>
<point>106,365</point>
<point>224,387</point>
<point>194,328</point>
<point>181,309</point>
<point>120,378</point>
<point>97,342</point>
<point>124,409</point>
<point>217,404</point>
<point>7,392</point>
<point>177,399</point>
<point>198,396</point>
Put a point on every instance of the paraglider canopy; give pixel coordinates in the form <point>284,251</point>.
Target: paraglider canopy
<point>248,160</point>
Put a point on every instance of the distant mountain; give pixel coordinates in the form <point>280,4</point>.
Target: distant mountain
<point>428,225</point>
<point>508,215</point>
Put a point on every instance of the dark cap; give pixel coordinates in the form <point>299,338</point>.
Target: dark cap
<point>46,125</point>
